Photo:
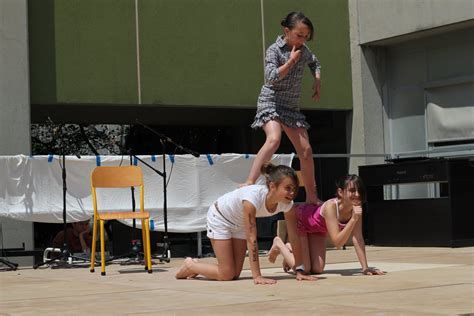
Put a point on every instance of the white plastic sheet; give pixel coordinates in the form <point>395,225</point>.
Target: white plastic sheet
<point>31,188</point>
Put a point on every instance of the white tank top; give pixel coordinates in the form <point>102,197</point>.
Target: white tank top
<point>337,210</point>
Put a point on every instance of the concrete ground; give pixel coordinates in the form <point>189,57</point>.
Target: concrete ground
<point>420,281</point>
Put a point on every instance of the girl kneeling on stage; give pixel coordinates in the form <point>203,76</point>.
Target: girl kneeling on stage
<point>232,227</point>
<point>340,218</point>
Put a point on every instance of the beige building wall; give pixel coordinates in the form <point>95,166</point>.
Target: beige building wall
<point>14,109</point>
<point>14,80</point>
<point>383,19</point>
<point>374,24</point>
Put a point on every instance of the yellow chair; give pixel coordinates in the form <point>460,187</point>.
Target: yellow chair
<point>119,177</point>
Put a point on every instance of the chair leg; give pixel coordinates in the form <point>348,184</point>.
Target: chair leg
<point>94,238</point>
<point>102,248</point>
<point>147,245</point>
<point>145,255</point>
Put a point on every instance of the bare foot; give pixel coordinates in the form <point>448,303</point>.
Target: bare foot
<point>246,183</point>
<point>286,267</point>
<point>194,274</point>
<point>277,245</point>
<point>273,254</point>
<point>184,272</point>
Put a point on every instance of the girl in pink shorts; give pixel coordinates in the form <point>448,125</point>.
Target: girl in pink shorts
<point>339,218</point>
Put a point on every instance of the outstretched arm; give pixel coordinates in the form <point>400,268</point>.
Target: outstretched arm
<point>359,246</point>
<point>250,222</point>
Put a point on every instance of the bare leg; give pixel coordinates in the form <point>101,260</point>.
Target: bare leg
<point>305,252</point>
<point>272,131</point>
<point>239,248</point>
<point>285,265</point>
<point>317,249</point>
<point>228,262</point>
<point>300,140</point>
<point>279,247</point>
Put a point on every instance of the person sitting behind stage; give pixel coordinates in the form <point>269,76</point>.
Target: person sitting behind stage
<point>79,238</point>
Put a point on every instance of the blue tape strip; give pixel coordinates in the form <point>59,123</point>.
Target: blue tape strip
<point>153,158</point>
<point>97,160</point>
<point>50,158</point>
<point>135,161</point>
<point>209,158</point>
<point>171,158</point>
<point>247,156</point>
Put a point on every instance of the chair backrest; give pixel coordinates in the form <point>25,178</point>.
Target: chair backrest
<point>116,177</point>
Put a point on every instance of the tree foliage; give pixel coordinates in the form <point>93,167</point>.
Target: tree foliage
<point>75,139</point>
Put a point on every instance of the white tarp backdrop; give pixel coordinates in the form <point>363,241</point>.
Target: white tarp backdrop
<point>31,188</point>
<point>450,113</point>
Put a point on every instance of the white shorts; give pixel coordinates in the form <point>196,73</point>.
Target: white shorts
<point>220,228</point>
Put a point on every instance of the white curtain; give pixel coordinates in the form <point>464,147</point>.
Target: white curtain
<point>31,187</point>
<point>450,113</point>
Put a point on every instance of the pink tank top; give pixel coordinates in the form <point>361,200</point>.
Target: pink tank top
<point>311,221</point>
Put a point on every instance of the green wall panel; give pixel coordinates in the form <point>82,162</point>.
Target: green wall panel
<point>204,53</point>
<point>96,51</point>
<point>82,51</point>
<point>42,58</point>
<point>330,44</point>
<point>192,52</point>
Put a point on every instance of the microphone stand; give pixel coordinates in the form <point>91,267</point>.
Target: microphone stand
<point>65,257</point>
<point>164,256</point>
<point>12,265</point>
<point>163,140</point>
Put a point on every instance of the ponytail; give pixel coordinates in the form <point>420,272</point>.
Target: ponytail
<point>276,174</point>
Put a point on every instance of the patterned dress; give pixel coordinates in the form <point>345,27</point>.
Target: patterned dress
<point>279,97</point>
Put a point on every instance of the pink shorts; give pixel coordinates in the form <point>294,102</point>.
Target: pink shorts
<point>310,221</point>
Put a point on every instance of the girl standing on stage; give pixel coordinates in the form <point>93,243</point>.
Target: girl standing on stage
<point>339,218</point>
<point>232,227</point>
<point>277,108</point>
